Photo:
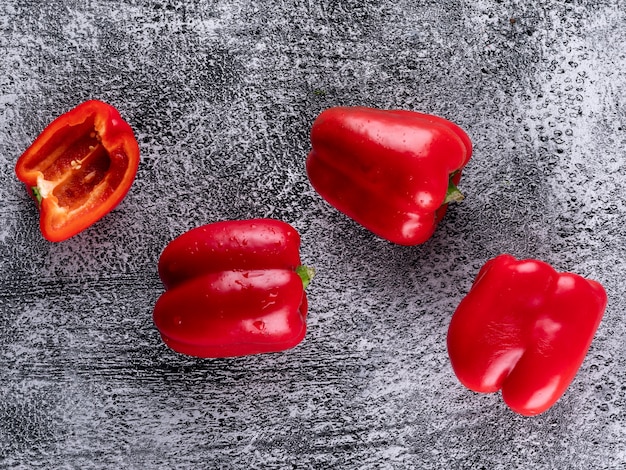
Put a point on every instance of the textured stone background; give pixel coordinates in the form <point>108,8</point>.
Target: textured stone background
<point>221,94</point>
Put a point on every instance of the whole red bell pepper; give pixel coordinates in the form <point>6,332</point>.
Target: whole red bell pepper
<point>234,288</point>
<point>394,172</point>
<point>525,329</point>
<point>79,168</point>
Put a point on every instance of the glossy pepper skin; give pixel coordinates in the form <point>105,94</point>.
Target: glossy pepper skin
<point>234,288</point>
<point>79,168</point>
<point>392,171</point>
<point>525,329</point>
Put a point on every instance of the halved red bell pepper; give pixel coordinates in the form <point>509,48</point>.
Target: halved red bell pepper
<point>525,329</point>
<point>234,288</point>
<point>394,172</point>
<point>79,168</point>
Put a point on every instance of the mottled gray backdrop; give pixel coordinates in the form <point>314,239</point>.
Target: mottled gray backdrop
<point>221,95</point>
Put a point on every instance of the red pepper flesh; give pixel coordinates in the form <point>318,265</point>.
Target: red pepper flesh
<point>525,329</point>
<point>79,168</point>
<point>234,288</point>
<point>392,171</point>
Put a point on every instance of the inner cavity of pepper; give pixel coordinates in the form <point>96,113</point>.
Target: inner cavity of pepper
<point>72,163</point>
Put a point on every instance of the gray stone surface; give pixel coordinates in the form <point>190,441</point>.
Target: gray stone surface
<point>221,95</point>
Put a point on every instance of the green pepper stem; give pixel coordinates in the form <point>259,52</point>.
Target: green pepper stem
<point>306,274</point>
<point>37,194</point>
<point>453,194</point>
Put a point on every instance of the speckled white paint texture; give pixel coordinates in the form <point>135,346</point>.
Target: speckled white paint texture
<point>221,95</point>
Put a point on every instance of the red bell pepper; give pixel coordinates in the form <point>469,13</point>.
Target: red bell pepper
<point>79,168</point>
<point>394,172</point>
<point>233,288</point>
<point>525,329</point>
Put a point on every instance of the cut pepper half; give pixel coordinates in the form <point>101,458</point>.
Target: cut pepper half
<point>79,168</point>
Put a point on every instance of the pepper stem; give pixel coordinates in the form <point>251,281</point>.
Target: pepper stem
<point>37,194</point>
<point>453,194</point>
<point>306,274</point>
